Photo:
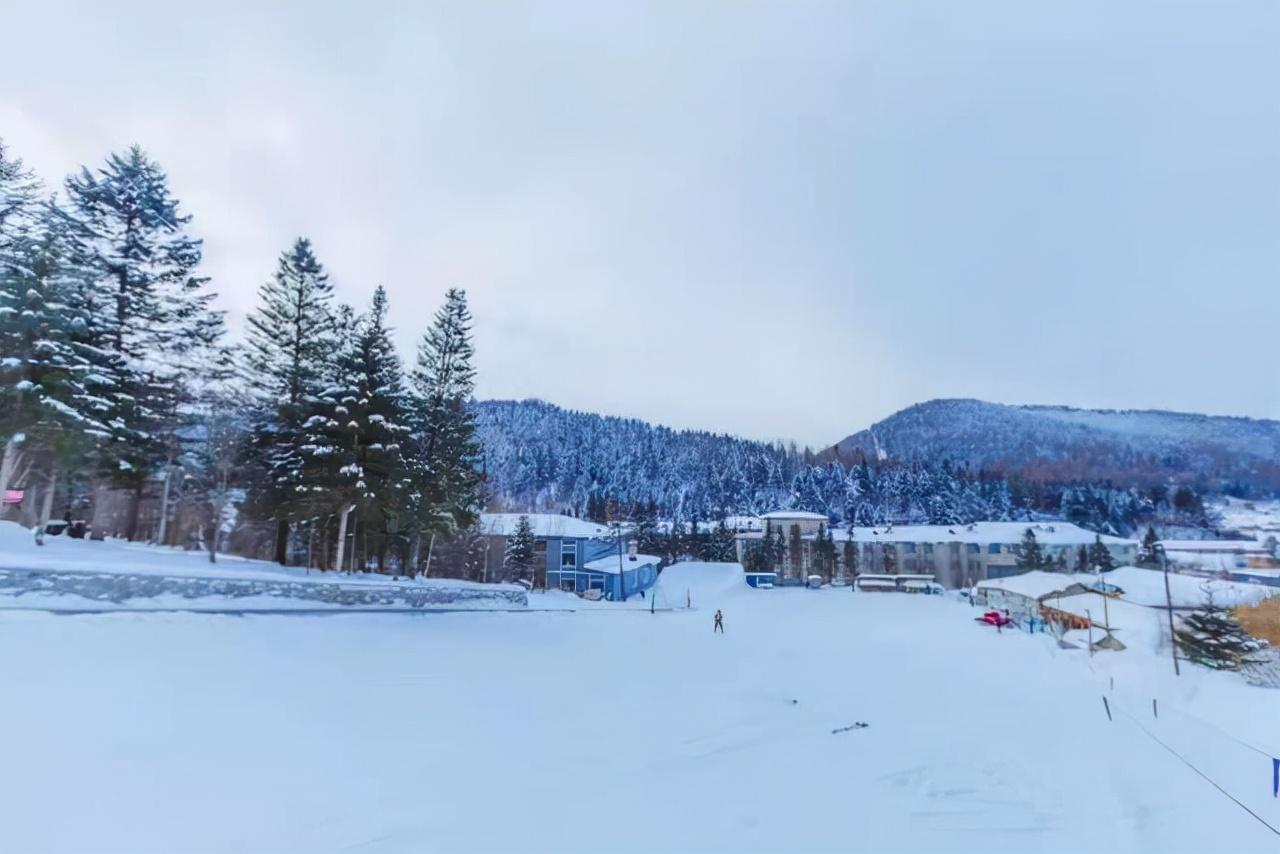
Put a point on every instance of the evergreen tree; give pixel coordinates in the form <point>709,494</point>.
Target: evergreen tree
<point>1147,553</point>
<point>1212,637</point>
<point>1100,556</point>
<point>290,345</point>
<point>1029,555</point>
<point>518,558</point>
<point>154,307</point>
<point>850,556</point>
<point>353,453</point>
<point>446,452</point>
<point>722,547</point>
<point>1082,559</point>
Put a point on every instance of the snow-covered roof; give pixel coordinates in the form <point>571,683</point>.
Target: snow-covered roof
<point>1010,533</point>
<point>543,524</point>
<point>1221,546</point>
<point>610,564</point>
<point>795,514</point>
<point>1037,583</point>
<point>978,533</point>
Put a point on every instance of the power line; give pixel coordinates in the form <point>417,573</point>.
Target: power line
<point>1187,762</point>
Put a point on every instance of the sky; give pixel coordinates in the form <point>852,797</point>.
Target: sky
<point>780,220</point>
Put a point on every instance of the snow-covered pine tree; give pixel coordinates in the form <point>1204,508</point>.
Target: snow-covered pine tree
<point>1100,558</point>
<point>1211,636</point>
<point>1029,554</point>
<point>55,386</point>
<point>460,555</point>
<point>289,347</point>
<point>1147,552</point>
<point>518,558</point>
<point>353,462</point>
<point>155,309</point>
<point>850,555</point>
<point>722,546</point>
<point>445,456</point>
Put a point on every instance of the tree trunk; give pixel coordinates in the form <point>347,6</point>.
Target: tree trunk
<point>46,504</point>
<point>430,545</point>
<point>342,533</point>
<point>135,507</point>
<point>164,506</point>
<point>214,528</point>
<point>8,468</point>
<point>415,552</point>
<point>282,541</point>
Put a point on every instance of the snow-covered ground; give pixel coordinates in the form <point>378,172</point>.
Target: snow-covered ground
<point>613,729</point>
<point>69,574</point>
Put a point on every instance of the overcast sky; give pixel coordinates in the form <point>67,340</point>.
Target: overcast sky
<point>783,220</point>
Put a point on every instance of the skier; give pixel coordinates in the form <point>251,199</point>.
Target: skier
<point>719,626</point>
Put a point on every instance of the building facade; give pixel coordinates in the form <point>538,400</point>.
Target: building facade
<point>956,555</point>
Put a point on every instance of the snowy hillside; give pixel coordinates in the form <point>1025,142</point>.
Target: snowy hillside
<point>1064,444</point>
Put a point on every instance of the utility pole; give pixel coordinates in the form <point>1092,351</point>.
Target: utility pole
<point>1168,598</point>
<point>622,568</point>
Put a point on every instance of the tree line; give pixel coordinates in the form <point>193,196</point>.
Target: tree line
<point>309,442</point>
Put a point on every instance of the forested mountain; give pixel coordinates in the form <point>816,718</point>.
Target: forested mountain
<point>1059,444</point>
<point>540,457</point>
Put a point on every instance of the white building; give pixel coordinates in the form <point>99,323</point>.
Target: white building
<point>957,555</point>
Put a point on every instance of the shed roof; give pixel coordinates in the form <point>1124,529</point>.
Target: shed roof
<point>1037,583</point>
<point>609,565</point>
<point>795,514</point>
<point>543,524</point>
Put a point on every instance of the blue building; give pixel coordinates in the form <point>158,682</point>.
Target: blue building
<point>615,578</point>
<point>571,554</point>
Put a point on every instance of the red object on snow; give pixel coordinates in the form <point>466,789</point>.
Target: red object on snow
<point>995,618</point>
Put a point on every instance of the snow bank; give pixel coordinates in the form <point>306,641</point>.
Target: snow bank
<point>704,583</point>
<point>68,573</point>
<point>1146,587</point>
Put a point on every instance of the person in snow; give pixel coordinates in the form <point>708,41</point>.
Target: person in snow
<point>719,627</point>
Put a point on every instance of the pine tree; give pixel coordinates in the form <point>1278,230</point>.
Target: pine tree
<point>353,453</point>
<point>56,387</point>
<point>850,556</point>
<point>722,545</point>
<point>446,452</point>
<point>1082,559</point>
<point>156,310</point>
<point>1212,637</point>
<point>1147,553</point>
<point>1029,555</point>
<point>1100,556</point>
<point>290,344</point>
<point>518,558</point>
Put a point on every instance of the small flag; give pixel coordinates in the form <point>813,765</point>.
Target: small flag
<point>13,496</point>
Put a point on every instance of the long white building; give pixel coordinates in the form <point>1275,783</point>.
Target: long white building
<point>957,555</point>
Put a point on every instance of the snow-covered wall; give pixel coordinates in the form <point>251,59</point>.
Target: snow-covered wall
<point>161,590</point>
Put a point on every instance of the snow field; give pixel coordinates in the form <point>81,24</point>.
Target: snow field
<point>616,730</point>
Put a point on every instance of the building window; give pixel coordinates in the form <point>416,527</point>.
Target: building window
<point>569,555</point>
<point>971,548</point>
<point>928,548</point>
<point>568,581</point>
<point>909,548</point>
<point>993,549</point>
